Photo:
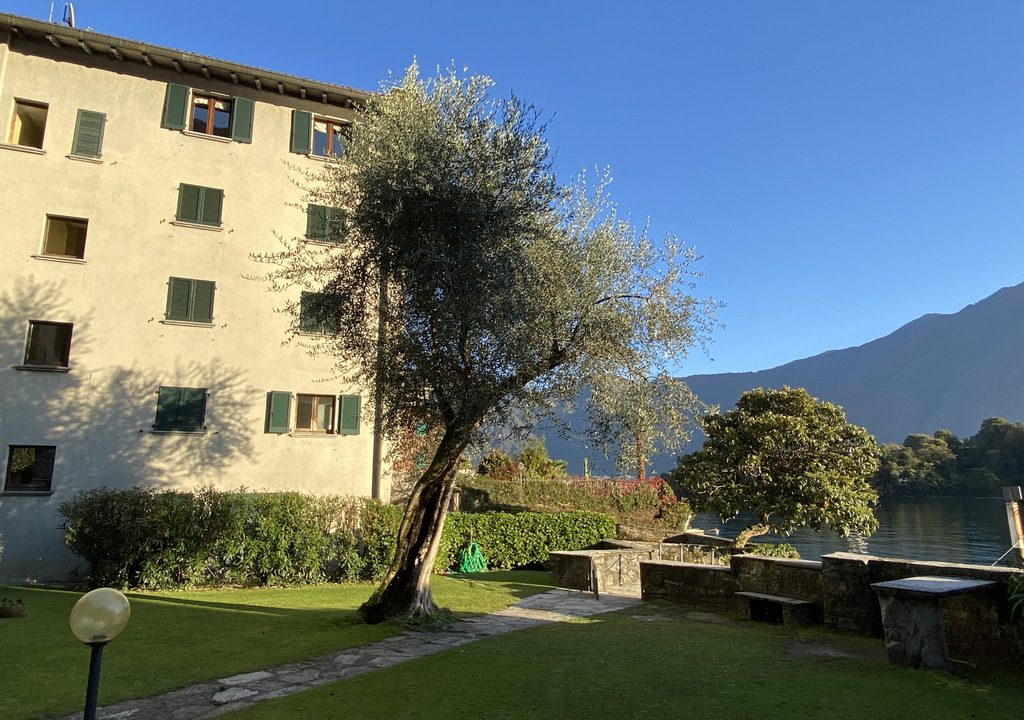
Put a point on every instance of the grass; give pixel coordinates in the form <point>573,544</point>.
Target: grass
<point>651,664</point>
<point>176,639</point>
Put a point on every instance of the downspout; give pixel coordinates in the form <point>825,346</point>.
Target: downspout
<point>378,405</point>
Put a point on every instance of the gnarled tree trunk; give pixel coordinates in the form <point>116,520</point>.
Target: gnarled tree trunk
<point>405,591</point>
<point>751,531</point>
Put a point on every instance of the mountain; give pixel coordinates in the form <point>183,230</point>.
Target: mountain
<point>939,371</point>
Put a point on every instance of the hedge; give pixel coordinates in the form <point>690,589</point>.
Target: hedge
<point>145,539</point>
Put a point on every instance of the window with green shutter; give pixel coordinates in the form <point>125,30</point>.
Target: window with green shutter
<point>348,415</point>
<point>180,409</point>
<point>302,132</point>
<point>190,300</point>
<point>88,139</point>
<point>175,107</point>
<point>325,223</point>
<point>200,205</point>
<point>279,408</point>
<point>318,314</point>
<point>207,113</point>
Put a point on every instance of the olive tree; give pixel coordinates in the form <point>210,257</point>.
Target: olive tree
<point>471,284</point>
<point>789,459</point>
<point>631,418</point>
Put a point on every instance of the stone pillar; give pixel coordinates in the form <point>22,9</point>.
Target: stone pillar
<point>915,635</point>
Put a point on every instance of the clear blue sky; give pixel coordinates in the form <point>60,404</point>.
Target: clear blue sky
<point>843,167</point>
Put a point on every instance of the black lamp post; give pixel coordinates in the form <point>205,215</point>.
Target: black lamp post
<point>96,619</point>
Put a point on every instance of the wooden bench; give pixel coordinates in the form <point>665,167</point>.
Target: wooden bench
<point>777,609</point>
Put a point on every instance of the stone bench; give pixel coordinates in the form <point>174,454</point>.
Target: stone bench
<point>779,610</point>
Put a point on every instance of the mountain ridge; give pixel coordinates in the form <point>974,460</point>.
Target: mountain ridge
<point>940,370</point>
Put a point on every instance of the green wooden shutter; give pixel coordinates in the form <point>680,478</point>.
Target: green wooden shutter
<point>307,313</point>
<point>242,110</point>
<point>316,222</point>
<point>348,416</point>
<point>334,225</point>
<point>302,132</point>
<point>189,199</point>
<point>279,408</point>
<point>202,301</point>
<point>179,291</point>
<point>210,207</point>
<point>88,140</point>
<point>167,402</point>
<point>175,107</point>
<point>192,410</point>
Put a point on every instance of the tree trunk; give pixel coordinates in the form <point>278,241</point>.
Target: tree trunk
<point>749,532</point>
<point>641,459</point>
<point>405,590</point>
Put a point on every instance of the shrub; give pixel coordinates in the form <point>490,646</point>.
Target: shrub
<point>518,539</point>
<point>651,502</point>
<point>141,538</point>
<point>779,550</point>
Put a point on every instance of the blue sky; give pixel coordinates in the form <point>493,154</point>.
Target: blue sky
<point>842,167</point>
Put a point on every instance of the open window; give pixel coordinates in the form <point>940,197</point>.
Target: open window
<point>28,124</point>
<point>49,344</point>
<point>29,468</point>
<point>65,237</point>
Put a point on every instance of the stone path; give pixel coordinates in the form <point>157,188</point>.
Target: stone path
<point>231,693</point>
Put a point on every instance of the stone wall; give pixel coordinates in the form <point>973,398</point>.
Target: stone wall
<point>710,586</point>
<point>976,623</point>
<point>799,579</point>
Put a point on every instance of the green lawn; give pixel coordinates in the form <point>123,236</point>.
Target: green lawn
<point>180,638</point>
<point>619,667</point>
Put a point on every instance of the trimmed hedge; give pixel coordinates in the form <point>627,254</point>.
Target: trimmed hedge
<point>144,539</point>
<point>648,503</point>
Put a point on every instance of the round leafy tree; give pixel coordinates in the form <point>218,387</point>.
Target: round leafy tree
<point>788,458</point>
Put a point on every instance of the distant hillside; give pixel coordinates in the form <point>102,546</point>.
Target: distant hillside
<point>939,371</point>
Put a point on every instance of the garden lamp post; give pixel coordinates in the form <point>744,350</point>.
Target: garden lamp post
<point>96,619</point>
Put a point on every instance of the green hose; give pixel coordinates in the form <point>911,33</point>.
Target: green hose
<point>471,560</point>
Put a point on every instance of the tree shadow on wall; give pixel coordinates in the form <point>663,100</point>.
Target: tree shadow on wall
<point>100,416</point>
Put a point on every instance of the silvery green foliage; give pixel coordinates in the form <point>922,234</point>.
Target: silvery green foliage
<point>502,288</point>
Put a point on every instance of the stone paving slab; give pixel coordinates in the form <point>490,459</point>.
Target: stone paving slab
<point>225,695</point>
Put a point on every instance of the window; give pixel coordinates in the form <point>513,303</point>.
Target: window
<point>323,137</point>
<point>28,124</point>
<point>325,223</point>
<point>88,140</point>
<point>208,114</point>
<point>65,237</point>
<point>180,409</point>
<point>318,314</point>
<point>189,300</point>
<point>199,205</point>
<point>30,468</point>
<point>329,137</point>
<point>49,344</point>
<point>313,413</point>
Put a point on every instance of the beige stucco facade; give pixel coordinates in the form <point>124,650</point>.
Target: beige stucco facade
<point>99,413</point>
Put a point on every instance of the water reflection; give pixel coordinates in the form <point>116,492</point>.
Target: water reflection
<point>963,530</point>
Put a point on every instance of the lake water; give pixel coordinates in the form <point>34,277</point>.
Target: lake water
<point>962,530</point>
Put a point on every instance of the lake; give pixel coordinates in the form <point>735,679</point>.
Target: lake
<point>961,530</point>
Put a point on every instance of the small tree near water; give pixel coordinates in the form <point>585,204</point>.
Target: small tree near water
<point>470,283</point>
<point>788,458</point>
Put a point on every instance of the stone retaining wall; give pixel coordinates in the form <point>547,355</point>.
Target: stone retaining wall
<point>710,586</point>
<point>841,583</point>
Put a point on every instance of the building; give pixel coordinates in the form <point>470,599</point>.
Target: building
<point>137,181</point>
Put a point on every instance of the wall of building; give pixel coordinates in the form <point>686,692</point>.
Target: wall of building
<point>99,415</point>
